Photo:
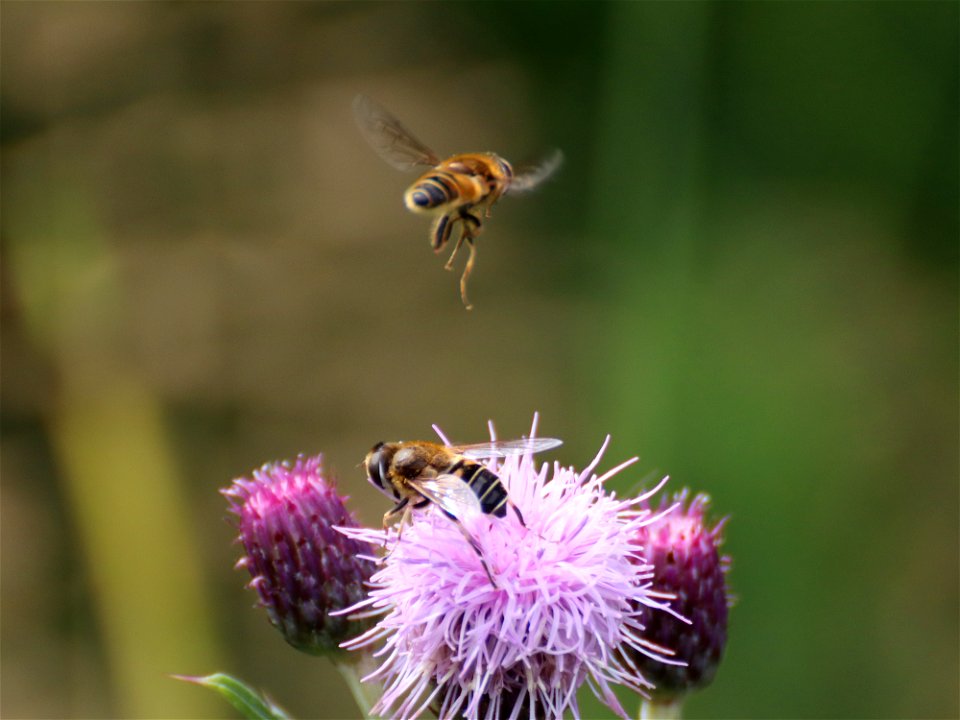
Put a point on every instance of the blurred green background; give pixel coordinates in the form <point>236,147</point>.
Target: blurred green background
<point>746,272</point>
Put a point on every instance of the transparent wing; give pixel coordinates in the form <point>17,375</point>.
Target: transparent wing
<point>392,141</point>
<point>505,448</point>
<point>450,493</point>
<point>529,178</point>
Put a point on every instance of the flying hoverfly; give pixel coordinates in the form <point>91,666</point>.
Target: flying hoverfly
<point>420,473</point>
<point>460,189</point>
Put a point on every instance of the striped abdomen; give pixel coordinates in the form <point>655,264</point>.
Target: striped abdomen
<point>441,190</point>
<point>460,180</point>
<point>485,485</point>
<point>435,191</point>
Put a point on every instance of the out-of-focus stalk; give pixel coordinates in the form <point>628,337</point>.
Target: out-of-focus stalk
<point>118,475</point>
<point>353,669</point>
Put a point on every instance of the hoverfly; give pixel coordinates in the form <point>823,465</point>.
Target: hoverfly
<point>420,473</point>
<point>460,189</point>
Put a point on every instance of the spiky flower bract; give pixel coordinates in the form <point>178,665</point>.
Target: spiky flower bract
<point>302,568</point>
<point>687,566</point>
<point>565,605</point>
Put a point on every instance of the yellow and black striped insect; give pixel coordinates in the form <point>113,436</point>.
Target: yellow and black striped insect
<point>460,189</point>
<point>420,473</point>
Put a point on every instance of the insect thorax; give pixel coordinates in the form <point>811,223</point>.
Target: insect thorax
<point>410,461</point>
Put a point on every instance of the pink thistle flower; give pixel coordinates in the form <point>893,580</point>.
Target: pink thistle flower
<point>302,568</point>
<point>688,567</point>
<point>565,607</point>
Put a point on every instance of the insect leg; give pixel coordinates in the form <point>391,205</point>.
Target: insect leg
<point>388,515</point>
<point>467,218</point>
<point>468,268</point>
<point>519,514</point>
<point>402,506</point>
<point>407,513</point>
<point>489,202</point>
<point>476,548</point>
<point>449,264</point>
<point>440,232</point>
<point>466,233</point>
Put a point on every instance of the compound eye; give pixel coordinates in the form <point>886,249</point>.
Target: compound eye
<point>374,465</point>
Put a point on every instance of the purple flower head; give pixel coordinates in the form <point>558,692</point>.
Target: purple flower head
<point>569,585</point>
<point>301,566</point>
<point>688,567</point>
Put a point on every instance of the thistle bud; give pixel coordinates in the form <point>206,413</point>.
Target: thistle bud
<point>302,568</point>
<point>687,565</point>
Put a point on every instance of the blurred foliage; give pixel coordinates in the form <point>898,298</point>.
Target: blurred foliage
<point>746,272</point>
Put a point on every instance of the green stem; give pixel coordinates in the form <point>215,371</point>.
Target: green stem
<point>661,709</point>
<point>364,694</point>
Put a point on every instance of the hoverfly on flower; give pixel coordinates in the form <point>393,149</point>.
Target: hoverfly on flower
<point>421,473</point>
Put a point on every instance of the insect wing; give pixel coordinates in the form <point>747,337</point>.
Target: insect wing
<point>391,140</point>
<point>529,178</point>
<point>450,493</point>
<point>506,448</point>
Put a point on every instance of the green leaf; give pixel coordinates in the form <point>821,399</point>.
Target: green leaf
<point>250,703</point>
